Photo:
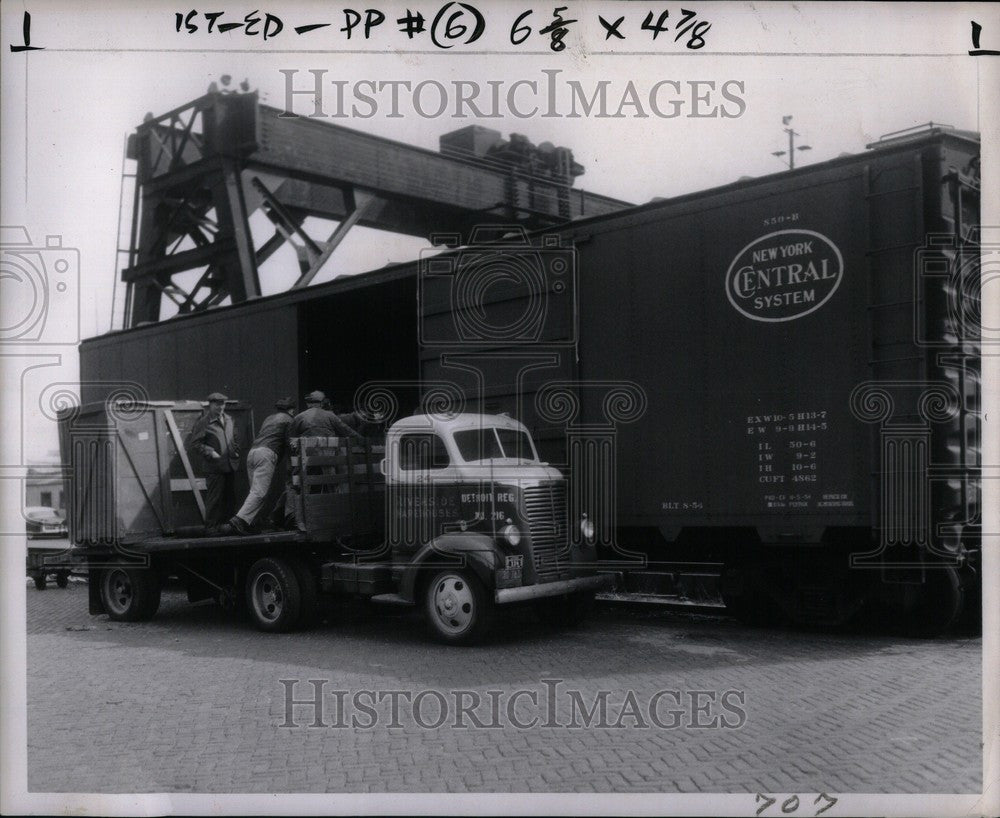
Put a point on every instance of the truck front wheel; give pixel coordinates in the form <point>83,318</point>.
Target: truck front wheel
<point>130,594</point>
<point>274,596</point>
<point>458,608</point>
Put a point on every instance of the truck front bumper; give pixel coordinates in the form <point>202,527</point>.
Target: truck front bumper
<point>523,593</point>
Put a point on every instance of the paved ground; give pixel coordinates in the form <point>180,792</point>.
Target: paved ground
<point>193,701</point>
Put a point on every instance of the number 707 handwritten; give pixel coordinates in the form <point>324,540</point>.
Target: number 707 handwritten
<point>791,804</point>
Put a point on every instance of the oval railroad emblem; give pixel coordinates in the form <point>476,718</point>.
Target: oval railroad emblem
<point>784,275</point>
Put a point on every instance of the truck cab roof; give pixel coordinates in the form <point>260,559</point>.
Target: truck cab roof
<point>445,423</point>
<point>458,466</point>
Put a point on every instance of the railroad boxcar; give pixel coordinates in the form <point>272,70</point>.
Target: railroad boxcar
<point>781,377</point>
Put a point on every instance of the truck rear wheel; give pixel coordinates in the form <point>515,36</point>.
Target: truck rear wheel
<point>458,608</point>
<point>130,594</point>
<point>274,596</point>
<point>937,605</point>
<point>308,592</point>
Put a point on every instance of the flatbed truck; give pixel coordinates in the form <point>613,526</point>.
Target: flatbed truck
<point>455,514</point>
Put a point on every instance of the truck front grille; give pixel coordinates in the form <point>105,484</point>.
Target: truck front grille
<point>545,510</point>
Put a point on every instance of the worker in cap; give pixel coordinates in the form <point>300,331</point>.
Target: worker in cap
<point>314,421</point>
<point>213,437</point>
<point>266,452</point>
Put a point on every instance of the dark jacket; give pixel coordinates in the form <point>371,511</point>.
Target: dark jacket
<point>363,425</point>
<point>208,436</point>
<point>273,433</point>
<point>318,422</point>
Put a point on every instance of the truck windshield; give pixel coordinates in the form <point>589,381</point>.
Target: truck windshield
<point>490,442</point>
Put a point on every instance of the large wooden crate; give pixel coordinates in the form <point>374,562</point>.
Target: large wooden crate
<point>338,488</point>
<point>131,475</point>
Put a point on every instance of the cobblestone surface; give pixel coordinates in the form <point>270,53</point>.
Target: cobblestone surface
<point>193,701</point>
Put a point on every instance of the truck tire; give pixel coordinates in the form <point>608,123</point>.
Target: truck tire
<point>971,618</point>
<point>62,579</point>
<point>130,594</point>
<point>938,605</point>
<point>308,591</point>
<point>40,582</point>
<point>458,608</point>
<point>274,597</point>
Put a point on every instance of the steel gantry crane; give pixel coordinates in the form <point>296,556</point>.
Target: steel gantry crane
<point>205,167</point>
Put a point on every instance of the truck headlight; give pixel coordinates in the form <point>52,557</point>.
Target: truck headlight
<point>587,529</point>
<point>512,534</point>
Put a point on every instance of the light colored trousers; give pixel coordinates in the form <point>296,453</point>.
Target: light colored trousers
<point>260,468</point>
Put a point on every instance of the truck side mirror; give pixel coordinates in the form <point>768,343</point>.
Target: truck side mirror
<point>381,466</point>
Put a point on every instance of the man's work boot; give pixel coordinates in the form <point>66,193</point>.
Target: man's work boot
<point>237,526</point>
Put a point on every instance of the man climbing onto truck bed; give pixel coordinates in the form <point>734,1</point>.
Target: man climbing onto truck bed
<point>314,421</point>
<point>266,451</point>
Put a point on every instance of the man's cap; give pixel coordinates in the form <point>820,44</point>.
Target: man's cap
<point>315,397</point>
<point>217,396</point>
<point>284,403</point>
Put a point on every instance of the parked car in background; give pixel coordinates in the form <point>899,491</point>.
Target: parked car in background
<point>42,522</point>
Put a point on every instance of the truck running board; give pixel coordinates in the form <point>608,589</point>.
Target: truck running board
<point>505,596</point>
<point>391,599</point>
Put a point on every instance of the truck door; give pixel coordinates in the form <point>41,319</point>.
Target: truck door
<point>420,502</point>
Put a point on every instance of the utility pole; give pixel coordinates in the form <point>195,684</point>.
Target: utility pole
<point>786,121</point>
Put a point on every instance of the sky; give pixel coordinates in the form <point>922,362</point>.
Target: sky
<point>67,110</point>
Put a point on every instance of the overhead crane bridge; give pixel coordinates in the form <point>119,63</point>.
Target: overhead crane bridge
<point>204,168</point>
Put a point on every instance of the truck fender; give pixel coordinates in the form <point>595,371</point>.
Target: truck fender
<point>478,552</point>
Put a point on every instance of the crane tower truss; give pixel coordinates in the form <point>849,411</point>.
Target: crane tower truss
<point>203,169</point>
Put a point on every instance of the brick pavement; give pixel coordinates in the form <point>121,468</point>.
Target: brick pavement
<point>192,702</point>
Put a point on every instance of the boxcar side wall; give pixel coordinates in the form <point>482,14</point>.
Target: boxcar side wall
<point>333,337</point>
<point>746,373</point>
<point>756,320</point>
<point>251,355</point>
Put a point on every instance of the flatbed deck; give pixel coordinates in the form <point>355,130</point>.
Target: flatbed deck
<point>167,544</point>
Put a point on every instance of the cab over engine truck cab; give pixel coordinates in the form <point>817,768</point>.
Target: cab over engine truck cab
<point>455,514</point>
<point>476,521</point>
